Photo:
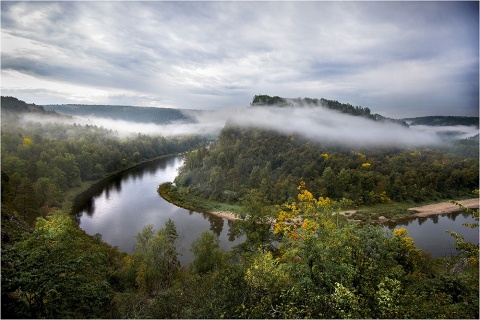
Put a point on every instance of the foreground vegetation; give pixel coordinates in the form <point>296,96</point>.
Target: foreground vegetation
<point>310,264</point>
<point>321,267</point>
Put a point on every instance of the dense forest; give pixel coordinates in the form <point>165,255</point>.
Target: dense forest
<point>310,263</point>
<point>243,159</point>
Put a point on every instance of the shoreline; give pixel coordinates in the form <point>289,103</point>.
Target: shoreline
<point>429,210</point>
<point>225,215</point>
<point>442,208</point>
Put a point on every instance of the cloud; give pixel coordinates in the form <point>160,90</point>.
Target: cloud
<point>401,58</point>
<point>208,123</point>
<point>322,124</point>
<point>314,123</point>
<point>459,132</point>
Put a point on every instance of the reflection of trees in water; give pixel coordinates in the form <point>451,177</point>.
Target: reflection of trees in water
<point>421,220</point>
<point>232,233</point>
<point>216,224</point>
<point>84,203</point>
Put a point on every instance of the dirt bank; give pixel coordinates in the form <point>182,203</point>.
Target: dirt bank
<point>226,215</point>
<point>442,208</point>
<point>423,211</point>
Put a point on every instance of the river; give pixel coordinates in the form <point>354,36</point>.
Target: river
<point>120,207</point>
<point>430,233</point>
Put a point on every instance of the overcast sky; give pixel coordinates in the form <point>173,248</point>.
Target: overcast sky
<point>400,59</point>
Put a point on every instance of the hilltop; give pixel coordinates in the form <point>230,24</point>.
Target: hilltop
<point>13,105</point>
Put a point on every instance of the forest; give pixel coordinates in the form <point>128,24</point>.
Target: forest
<point>243,159</point>
<point>299,259</point>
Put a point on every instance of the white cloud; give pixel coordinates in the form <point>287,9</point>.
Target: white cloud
<point>219,54</point>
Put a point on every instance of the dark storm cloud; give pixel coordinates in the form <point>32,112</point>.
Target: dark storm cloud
<point>397,58</point>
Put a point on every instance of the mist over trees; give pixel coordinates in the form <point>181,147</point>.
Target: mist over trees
<point>128,113</point>
<point>266,100</point>
<point>243,159</point>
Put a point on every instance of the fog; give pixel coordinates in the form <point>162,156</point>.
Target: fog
<point>322,124</point>
<point>125,129</point>
<point>459,132</point>
<point>316,123</point>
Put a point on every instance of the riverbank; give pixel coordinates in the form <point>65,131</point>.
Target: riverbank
<point>443,208</point>
<point>225,215</point>
<point>183,199</point>
<point>378,214</point>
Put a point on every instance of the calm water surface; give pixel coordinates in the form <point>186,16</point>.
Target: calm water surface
<point>430,234</point>
<point>122,206</point>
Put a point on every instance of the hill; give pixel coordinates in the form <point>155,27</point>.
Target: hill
<point>244,159</point>
<point>13,105</point>
<point>442,121</point>
<point>266,100</point>
<point>128,113</point>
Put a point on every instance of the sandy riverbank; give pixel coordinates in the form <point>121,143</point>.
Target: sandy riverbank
<point>443,208</point>
<point>423,211</point>
<point>225,215</point>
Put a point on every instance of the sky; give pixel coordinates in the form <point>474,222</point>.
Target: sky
<point>400,59</point>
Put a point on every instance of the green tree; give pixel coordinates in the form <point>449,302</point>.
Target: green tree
<point>208,255</point>
<point>56,272</point>
<point>26,201</point>
<point>467,249</point>
<point>256,225</point>
<point>158,254</point>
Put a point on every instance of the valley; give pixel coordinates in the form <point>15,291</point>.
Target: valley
<point>262,187</point>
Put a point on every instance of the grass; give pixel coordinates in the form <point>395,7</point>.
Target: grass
<point>391,211</point>
<point>181,198</point>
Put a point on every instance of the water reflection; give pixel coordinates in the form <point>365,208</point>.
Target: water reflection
<point>122,205</point>
<point>430,233</point>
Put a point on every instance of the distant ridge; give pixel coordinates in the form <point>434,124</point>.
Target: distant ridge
<point>14,105</point>
<point>437,121</point>
<point>266,100</point>
<point>127,113</point>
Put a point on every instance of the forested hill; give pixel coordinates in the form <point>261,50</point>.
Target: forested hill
<point>443,121</point>
<point>128,113</point>
<point>12,104</point>
<point>273,163</point>
<point>266,100</point>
